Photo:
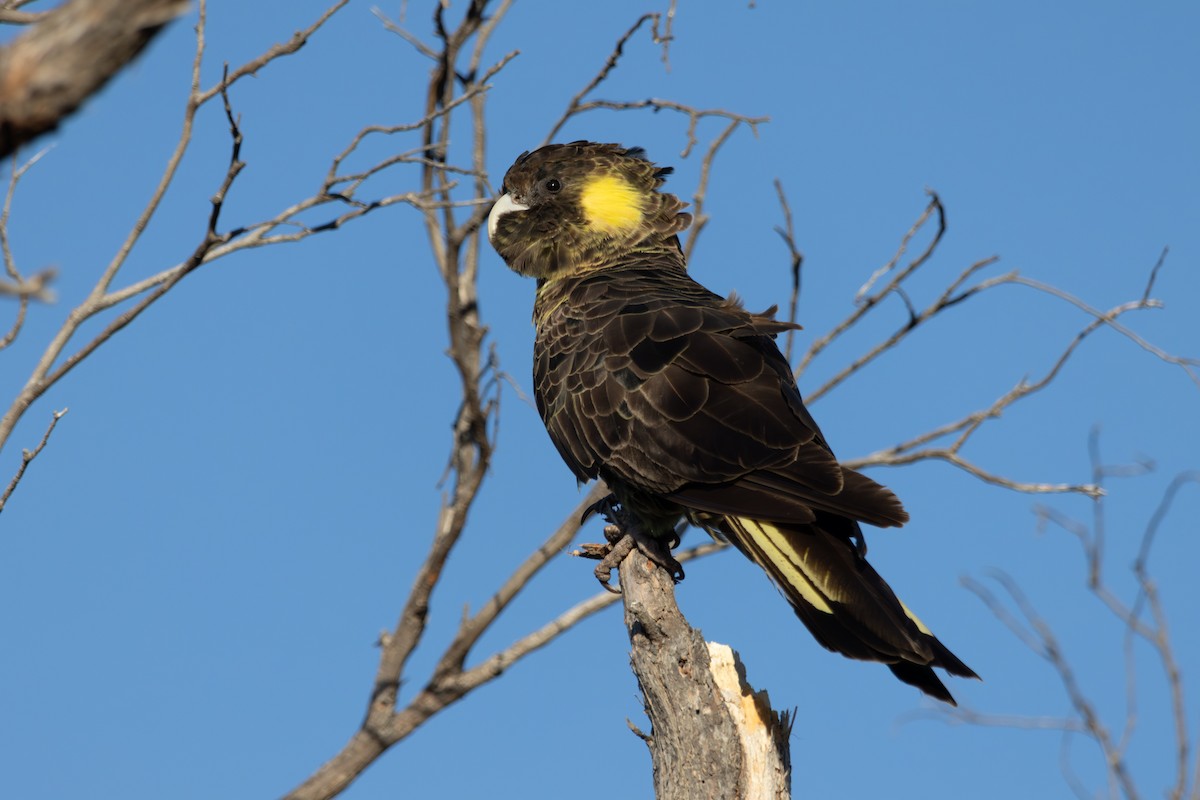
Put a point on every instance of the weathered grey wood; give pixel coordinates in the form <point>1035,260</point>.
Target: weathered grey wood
<point>699,734</point>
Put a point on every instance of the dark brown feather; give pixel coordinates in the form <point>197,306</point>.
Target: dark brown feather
<point>682,402</point>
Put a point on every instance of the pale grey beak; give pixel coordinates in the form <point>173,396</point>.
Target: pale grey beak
<point>505,205</point>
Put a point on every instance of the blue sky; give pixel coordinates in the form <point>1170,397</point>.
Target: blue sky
<point>195,569</point>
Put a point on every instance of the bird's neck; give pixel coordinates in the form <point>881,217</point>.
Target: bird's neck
<point>630,272</point>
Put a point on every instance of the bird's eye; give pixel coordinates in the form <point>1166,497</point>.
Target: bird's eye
<point>553,185</point>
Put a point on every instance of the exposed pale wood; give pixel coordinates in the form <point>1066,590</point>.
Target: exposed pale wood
<point>764,732</point>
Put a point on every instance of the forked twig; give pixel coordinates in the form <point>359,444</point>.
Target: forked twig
<point>337,189</point>
<point>922,447</point>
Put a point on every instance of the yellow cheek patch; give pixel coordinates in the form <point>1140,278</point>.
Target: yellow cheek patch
<point>610,204</point>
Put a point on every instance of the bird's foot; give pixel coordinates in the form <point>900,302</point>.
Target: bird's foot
<point>623,534</point>
<point>611,554</point>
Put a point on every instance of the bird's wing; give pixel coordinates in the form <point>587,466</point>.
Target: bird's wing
<point>684,395</point>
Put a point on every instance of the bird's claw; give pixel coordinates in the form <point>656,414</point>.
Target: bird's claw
<point>605,507</point>
<point>621,541</point>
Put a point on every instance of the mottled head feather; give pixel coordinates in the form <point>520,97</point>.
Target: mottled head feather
<point>581,205</point>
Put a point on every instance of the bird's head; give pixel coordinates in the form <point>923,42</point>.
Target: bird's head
<point>568,207</point>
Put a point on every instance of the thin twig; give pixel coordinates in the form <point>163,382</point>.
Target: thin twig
<point>1162,257</point>
<point>915,320</point>
<point>788,234</point>
<point>1188,365</point>
<point>35,287</point>
<point>577,106</point>
<point>699,218</point>
<point>399,30</point>
<point>935,204</point>
<point>667,36</point>
<point>27,457</point>
<point>11,15</point>
<point>49,369</point>
<point>10,262</point>
<point>864,302</point>
<point>212,238</point>
<point>964,715</point>
<point>609,65</point>
<point>694,115</point>
<point>298,40</point>
<point>1038,635</point>
<point>1161,639</point>
<point>916,448</point>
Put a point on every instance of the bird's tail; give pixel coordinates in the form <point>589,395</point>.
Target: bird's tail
<point>842,600</point>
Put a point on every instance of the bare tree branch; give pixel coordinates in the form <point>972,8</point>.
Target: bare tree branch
<point>396,28</point>
<point>298,40</point>
<point>213,245</point>
<point>574,106</point>
<point>28,456</point>
<point>454,249</point>
<point>11,14</point>
<point>1109,318</point>
<point>1040,637</point>
<point>963,715</point>
<point>577,105</point>
<point>453,199</point>
<point>864,302</point>
<point>65,58</point>
<point>788,234</point>
<point>699,218</point>
<point>1161,638</point>
<point>1035,632</point>
<point>454,246</point>
<point>1162,257</point>
<point>699,743</point>
<point>36,287</point>
<point>959,290</point>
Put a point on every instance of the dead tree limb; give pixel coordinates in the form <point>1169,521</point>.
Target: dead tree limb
<point>711,735</point>
<point>65,58</point>
<point>1144,621</point>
